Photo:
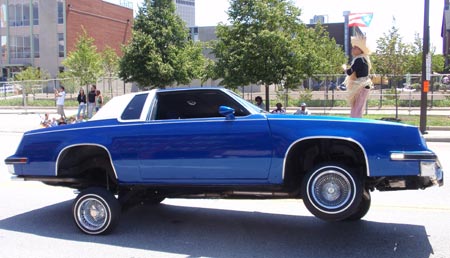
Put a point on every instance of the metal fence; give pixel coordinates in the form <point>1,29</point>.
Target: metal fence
<point>44,89</point>
<point>320,91</point>
<point>329,91</point>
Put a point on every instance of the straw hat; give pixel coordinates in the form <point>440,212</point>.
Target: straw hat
<point>360,42</point>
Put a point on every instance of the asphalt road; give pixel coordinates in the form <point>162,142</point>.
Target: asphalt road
<point>35,221</point>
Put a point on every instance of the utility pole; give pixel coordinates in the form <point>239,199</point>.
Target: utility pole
<point>426,68</point>
<point>346,34</point>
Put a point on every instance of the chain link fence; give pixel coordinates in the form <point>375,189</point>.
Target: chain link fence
<point>44,89</point>
<point>325,91</point>
<point>328,91</point>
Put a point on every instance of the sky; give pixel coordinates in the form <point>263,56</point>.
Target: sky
<point>407,16</point>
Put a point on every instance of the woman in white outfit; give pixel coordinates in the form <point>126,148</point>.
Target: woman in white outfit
<point>358,82</point>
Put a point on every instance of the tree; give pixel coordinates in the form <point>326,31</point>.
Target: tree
<point>391,58</point>
<point>31,77</point>
<point>391,54</point>
<point>414,61</point>
<point>259,46</point>
<point>84,62</point>
<point>324,55</point>
<point>438,63</point>
<point>110,64</point>
<point>160,52</point>
<point>267,44</point>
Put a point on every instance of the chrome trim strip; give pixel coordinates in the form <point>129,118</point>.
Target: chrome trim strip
<point>405,155</point>
<point>85,144</point>
<point>169,121</point>
<point>325,137</point>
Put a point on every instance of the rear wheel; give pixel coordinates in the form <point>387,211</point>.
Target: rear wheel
<point>332,192</point>
<point>96,211</point>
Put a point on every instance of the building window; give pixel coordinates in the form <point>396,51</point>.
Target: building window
<point>13,47</point>
<point>26,47</point>
<point>36,13</point>
<point>61,44</point>
<point>20,47</point>
<point>26,15</point>
<point>186,2</point>
<point>60,12</point>
<point>12,15</point>
<point>4,40</point>
<point>19,15</point>
<point>3,11</point>
<point>36,45</point>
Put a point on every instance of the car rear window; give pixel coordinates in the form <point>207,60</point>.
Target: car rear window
<point>134,108</point>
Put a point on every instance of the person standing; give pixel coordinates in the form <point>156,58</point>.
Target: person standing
<point>303,110</point>
<point>81,103</point>
<point>357,81</point>
<point>259,103</point>
<point>279,109</point>
<point>98,100</point>
<point>60,95</point>
<point>91,101</point>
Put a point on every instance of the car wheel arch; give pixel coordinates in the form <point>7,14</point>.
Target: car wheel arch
<point>76,158</point>
<point>306,153</point>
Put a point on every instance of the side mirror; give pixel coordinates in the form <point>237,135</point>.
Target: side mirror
<point>227,112</point>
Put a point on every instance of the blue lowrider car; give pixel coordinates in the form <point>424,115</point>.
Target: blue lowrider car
<point>209,142</point>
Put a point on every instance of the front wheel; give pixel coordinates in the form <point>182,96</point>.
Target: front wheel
<point>363,207</point>
<point>332,192</point>
<point>96,211</point>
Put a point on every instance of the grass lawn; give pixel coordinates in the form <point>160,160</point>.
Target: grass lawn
<point>415,119</point>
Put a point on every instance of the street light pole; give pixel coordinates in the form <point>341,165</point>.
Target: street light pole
<point>426,68</point>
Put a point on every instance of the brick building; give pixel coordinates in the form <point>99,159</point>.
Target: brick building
<point>40,33</point>
<point>109,24</point>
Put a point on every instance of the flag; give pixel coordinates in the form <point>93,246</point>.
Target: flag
<point>359,19</point>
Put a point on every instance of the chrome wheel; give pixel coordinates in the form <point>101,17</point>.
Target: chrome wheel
<point>96,211</point>
<point>92,214</point>
<point>331,192</point>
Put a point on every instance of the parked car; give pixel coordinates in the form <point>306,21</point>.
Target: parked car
<point>406,88</point>
<point>6,88</point>
<point>209,142</point>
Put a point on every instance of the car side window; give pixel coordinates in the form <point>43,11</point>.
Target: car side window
<point>195,104</point>
<point>134,108</point>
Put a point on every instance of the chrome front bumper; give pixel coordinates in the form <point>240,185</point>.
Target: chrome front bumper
<point>430,167</point>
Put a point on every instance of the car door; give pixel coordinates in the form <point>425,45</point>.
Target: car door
<point>189,140</point>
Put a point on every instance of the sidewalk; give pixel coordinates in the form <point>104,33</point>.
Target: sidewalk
<point>19,120</point>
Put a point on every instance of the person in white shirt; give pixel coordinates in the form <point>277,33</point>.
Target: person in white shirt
<point>303,110</point>
<point>60,95</point>
<point>259,103</point>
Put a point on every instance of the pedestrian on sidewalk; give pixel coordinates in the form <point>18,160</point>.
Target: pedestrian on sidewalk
<point>81,103</point>
<point>60,95</point>
<point>279,109</point>
<point>98,100</point>
<point>259,103</point>
<point>91,100</point>
<point>303,110</point>
<point>357,81</point>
